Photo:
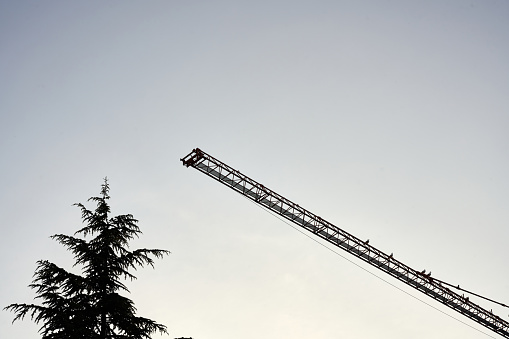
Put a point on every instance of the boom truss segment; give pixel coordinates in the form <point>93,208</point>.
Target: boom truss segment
<point>340,238</point>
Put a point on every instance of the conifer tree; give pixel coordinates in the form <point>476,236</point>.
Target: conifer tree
<point>90,305</point>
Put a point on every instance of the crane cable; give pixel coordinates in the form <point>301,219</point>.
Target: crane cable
<point>472,293</point>
<point>382,279</point>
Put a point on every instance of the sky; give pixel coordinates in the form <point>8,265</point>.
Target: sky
<point>387,118</point>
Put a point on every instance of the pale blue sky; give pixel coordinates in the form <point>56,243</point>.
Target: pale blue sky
<point>387,118</point>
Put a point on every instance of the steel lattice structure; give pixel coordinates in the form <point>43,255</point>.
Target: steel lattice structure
<point>278,204</point>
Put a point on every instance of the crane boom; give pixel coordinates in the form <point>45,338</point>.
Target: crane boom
<point>278,204</point>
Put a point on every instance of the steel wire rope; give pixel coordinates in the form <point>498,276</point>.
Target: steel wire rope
<point>364,269</point>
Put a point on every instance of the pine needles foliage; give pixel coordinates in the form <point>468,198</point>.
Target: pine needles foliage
<point>90,305</point>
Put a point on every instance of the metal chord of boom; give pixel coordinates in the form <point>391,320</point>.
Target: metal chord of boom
<point>278,204</point>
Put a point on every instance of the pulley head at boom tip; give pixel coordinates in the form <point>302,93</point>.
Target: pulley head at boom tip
<point>193,157</point>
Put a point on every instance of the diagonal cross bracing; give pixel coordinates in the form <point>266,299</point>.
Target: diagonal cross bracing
<point>342,239</point>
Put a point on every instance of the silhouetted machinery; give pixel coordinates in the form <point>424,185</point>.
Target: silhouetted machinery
<point>420,280</point>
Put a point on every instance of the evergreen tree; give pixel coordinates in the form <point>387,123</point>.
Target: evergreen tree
<point>89,305</point>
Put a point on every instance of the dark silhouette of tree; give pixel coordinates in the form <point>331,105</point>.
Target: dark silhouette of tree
<point>89,305</point>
